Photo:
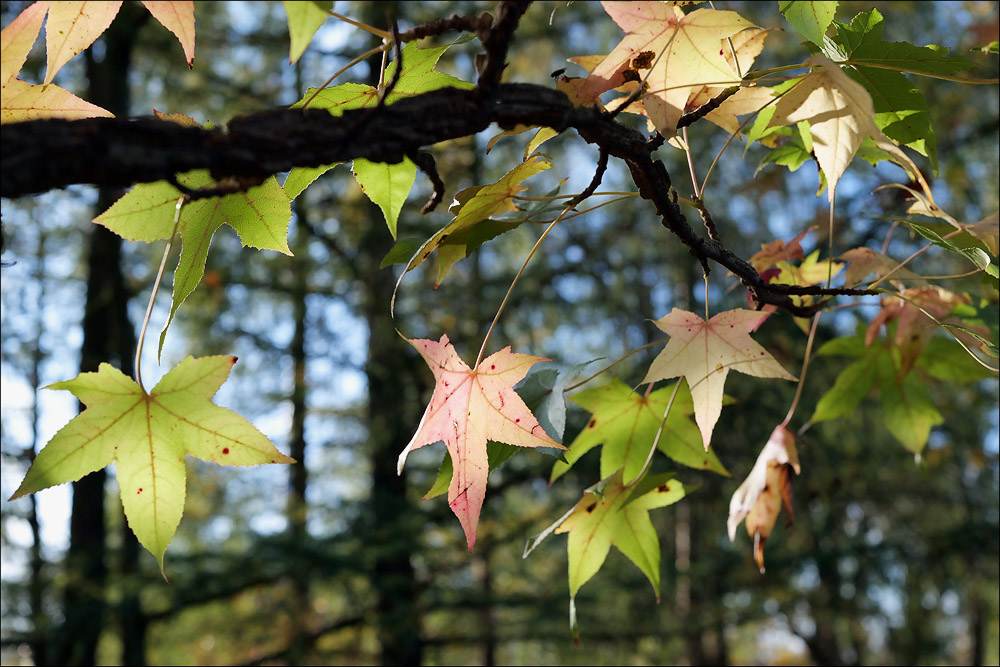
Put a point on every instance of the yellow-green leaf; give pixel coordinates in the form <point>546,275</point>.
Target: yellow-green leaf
<point>304,19</point>
<point>147,436</point>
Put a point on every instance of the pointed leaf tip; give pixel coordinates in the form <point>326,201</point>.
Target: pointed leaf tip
<point>467,409</point>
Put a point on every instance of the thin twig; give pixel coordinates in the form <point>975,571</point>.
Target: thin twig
<point>514,282</point>
<point>805,367</point>
<point>152,295</point>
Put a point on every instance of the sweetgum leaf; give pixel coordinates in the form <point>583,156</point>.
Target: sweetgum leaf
<point>840,114</point>
<point>71,28</point>
<point>304,19</point>
<point>810,19</point>
<point>675,53</point>
<point>901,110</point>
<point>17,39</point>
<point>260,216</point>
<point>147,436</point>
<point>468,408</point>
<point>704,353</point>
<point>625,423</point>
<point>178,18</point>
<point>24,101</point>
<point>475,205</point>
<point>386,184</point>
<point>616,514</point>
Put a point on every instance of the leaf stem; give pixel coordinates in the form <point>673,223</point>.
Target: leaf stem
<point>881,65</point>
<point>152,295</point>
<point>382,47</point>
<point>615,363</point>
<point>909,259</point>
<point>384,34</point>
<point>656,440</point>
<point>805,367</point>
<point>514,282</point>
<point>690,160</point>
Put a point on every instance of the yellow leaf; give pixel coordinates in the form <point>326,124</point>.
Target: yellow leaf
<point>676,54</point>
<point>840,115</point>
<point>178,18</point>
<point>72,27</point>
<point>704,353</point>
<point>17,39</point>
<point>23,101</point>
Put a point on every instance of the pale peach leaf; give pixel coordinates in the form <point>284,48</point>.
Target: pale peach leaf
<point>71,28</point>
<point>178,18</point>
<point>704,353</point>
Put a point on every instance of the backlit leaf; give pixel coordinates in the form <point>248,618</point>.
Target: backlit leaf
<point>148,436</point>
<point>304,19</point>
<point>72,27</point>
<point>468,408</point>
<point>704,353</point>
<point>177,17</point>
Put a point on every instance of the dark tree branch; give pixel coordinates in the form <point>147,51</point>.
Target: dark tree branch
<point>44,154</point>
<point>425,162</point>
<point>497,43</point>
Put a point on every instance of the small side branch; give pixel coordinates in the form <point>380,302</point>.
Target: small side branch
<point>425,162</point>
<point>602,166</point>
<point>498,41</point>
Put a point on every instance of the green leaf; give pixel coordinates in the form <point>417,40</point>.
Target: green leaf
<point>619,516</point>
<point>792,154</point>
<point>945,359</point>
<point>850,387</point>
<point>810,19</point>
<point>300,178</point>
<point>862,40</point>
<point>401,252</point>
<point>760,129</point>
<point>847,346</point>
<point>975,255</point>
<point>386,185</point>
<point>147,436</point>
<point>260,216</point>
<point>625,423</point>
<point>475,205</point>
<point>304,19</point>
<point>907,408</point>
<point>900,109</point>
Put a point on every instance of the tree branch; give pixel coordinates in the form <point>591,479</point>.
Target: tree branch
<point>44,154</point>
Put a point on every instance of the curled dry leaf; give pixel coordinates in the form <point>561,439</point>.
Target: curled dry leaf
<point>766,488</point>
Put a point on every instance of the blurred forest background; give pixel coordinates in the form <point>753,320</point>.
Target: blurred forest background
<point>335,560</point>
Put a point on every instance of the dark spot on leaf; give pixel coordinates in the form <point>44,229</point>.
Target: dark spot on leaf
<point>644,60</point>
<point>663,488</point>
<point>517,421</point>
<point>591,508</point>
<point>225,450</point>
<point>631,75</point>
<point>766,487</point>
<point>592,424</point>
<point>493,367</point>
<point>139,491</point>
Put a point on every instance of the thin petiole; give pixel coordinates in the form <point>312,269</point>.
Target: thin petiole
<point>152,295</point>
